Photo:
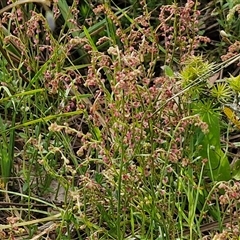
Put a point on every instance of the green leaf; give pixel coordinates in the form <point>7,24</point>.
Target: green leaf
<point>219,167</point>
<point>236,170</point>
<point>44,119</point>
<point>168,71</point>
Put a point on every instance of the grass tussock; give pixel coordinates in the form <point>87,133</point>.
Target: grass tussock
<point>119,120</point>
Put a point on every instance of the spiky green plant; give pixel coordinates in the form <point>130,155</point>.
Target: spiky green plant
<point>234,83</point>
<point>194,73</point>
<point>222,91</point>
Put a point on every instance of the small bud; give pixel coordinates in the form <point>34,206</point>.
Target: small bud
<point>224,34</point>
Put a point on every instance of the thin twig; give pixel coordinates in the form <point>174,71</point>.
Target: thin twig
<point>44,2</point>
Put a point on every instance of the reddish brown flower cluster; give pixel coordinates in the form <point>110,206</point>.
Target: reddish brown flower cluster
<point>231,192</point>
<point>233,50</point>
<point>179,26</point>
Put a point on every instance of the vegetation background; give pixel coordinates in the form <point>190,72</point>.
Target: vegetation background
<point>118,119</point>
